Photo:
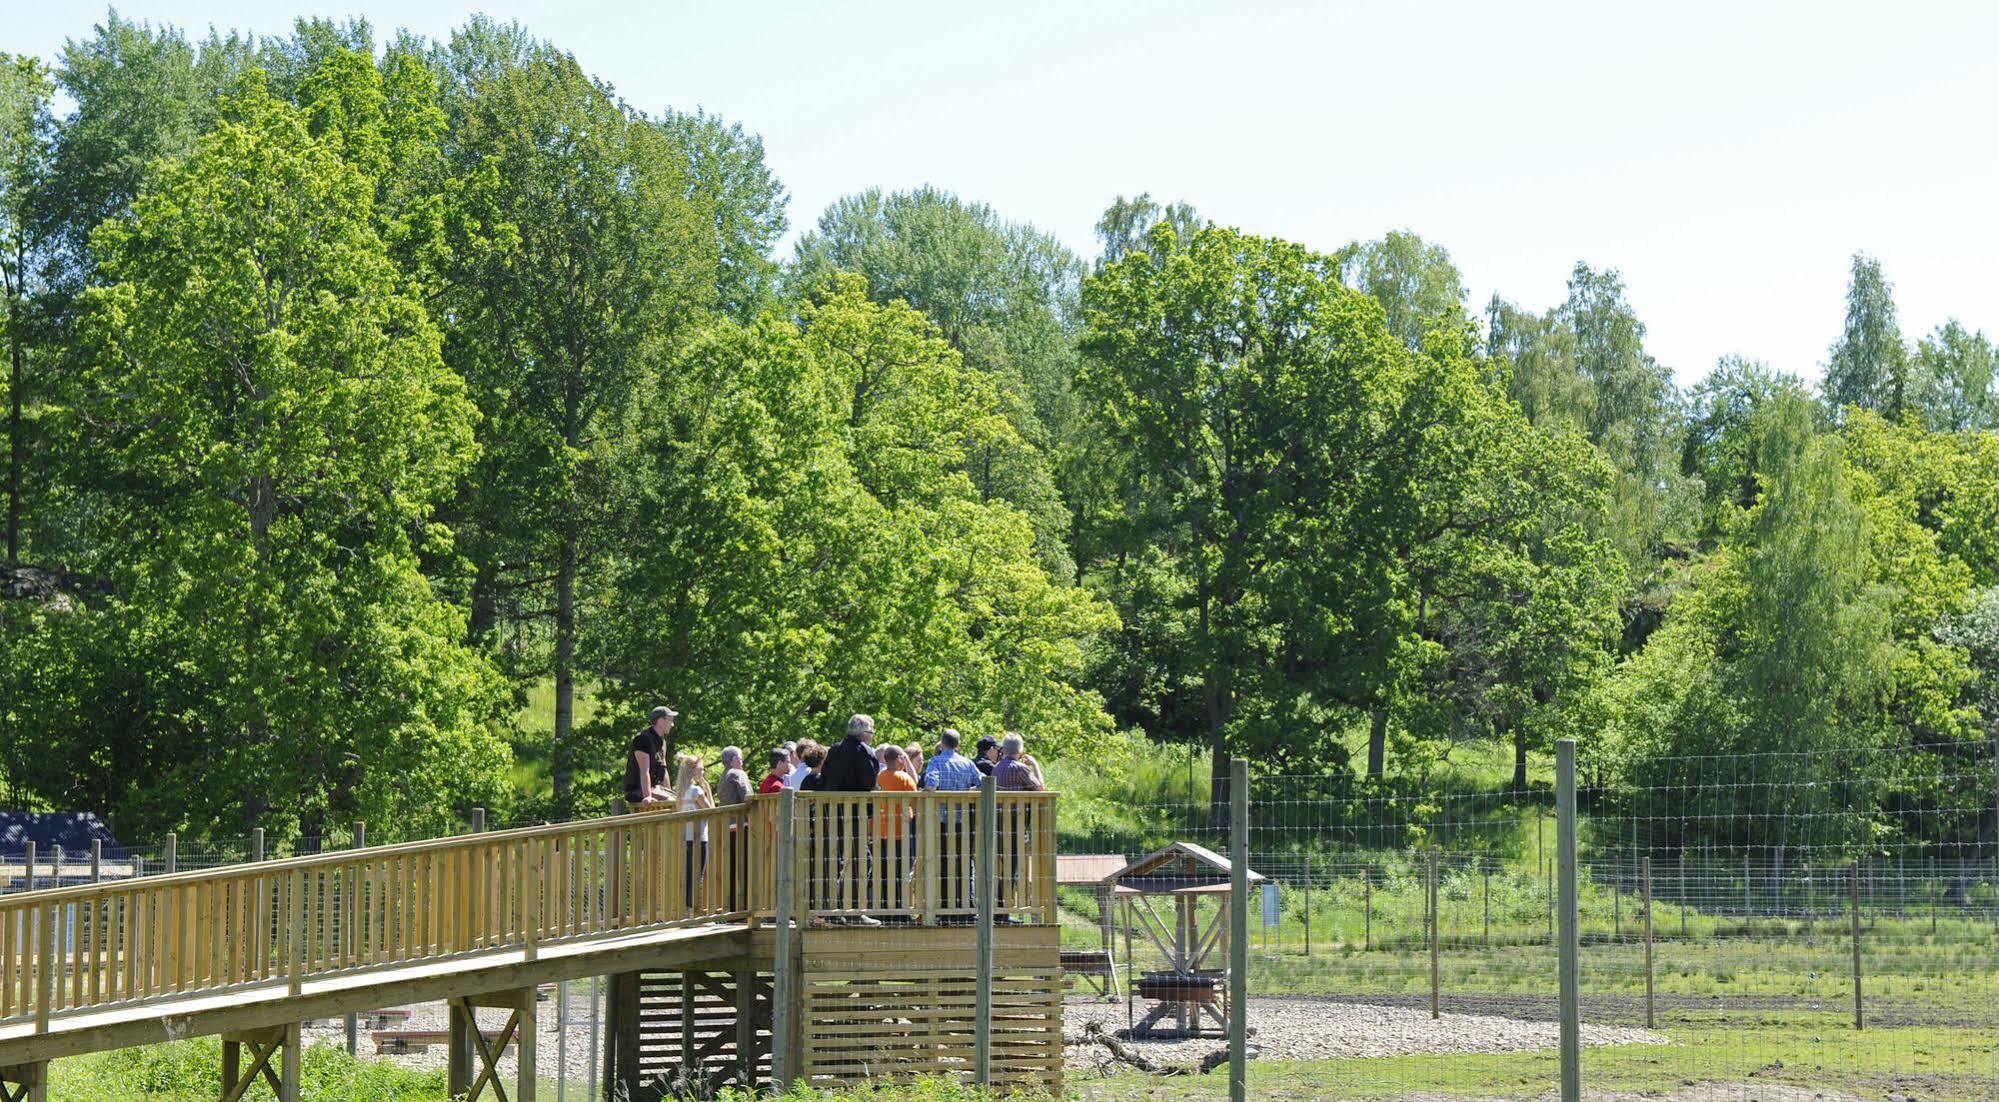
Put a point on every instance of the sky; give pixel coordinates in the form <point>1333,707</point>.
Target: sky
<point>1727,158</point>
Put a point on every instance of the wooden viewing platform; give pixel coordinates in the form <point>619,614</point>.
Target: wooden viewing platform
<point>482,920</point>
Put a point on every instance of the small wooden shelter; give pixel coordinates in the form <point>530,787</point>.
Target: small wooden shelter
<point>1186,874</point>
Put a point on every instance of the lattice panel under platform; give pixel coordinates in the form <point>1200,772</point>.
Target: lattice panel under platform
<point>701,1032</point>
<point>892,1023</point>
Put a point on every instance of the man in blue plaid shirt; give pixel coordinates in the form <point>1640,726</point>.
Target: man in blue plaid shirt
<point>950,771</point>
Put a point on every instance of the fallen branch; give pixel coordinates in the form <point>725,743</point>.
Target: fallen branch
<point>1095,1034</point>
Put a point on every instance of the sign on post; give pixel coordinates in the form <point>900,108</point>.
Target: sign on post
<point>1270,907</point>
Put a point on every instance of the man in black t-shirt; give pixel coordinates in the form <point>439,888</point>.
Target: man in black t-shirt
<point>645,762</point>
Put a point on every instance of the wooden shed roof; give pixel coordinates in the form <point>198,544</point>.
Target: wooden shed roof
<point>1182,868</point>
<point>1086,869</point>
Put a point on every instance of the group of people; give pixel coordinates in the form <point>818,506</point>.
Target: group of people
<point>854,764</point>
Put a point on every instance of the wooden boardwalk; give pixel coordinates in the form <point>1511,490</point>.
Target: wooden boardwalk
<point>250,951</point>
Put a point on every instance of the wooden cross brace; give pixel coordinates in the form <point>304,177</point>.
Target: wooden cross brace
<point>24,1083</point>
<point>279,1041</point>
<point>518,1030</point>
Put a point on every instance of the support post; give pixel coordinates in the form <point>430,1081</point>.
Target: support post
<point>1238,929</point>
<point>1859,1017</point>
<point>354,1020</point>
<point>290,1063</point>
<point>982,1005</point>
<point>784,974</point>
<point>525,1070</point>
<point>1367,909</point>
<point>28,869</point>
<point>256,845</point>
<point>458,1050</point>
<point>171,857</point>
<point>562,1041</point>
<point>1571,936</point>
<point>25,1083</point>
<point>478,820</point>
<point>746,1029</point>
<point>1436,921</point>
<point>1645,887</point>
<point>97,860</point>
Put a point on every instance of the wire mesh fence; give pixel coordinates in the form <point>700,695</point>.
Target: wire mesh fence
<point>1814,932</point>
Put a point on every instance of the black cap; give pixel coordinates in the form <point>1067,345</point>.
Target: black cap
<point>987,743</point>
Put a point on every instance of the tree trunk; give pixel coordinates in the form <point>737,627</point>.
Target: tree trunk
<point>17,373</point>
<point>1377,743</point>
<point>1520,759</point>
<point>1221,706</point>
<point>565,667</point>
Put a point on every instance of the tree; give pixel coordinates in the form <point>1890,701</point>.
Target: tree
<point>1869,367</point>
<point>1126,223</point>
<point>1002,293</point>
<point>25,89</point>
<point>584,262</point>
<point>1287,465</point>
<point>1414,281</point>
<point>277,412</point>
<point>1959,372</point>
<point>821,550</point>
<point>1723,428</point>
<point>729,179</point>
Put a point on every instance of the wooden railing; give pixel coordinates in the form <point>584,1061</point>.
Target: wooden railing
<point>902,857</point>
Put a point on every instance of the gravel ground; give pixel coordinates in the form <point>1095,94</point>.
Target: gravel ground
<point>1324,1029</point>
<point>1284,1029</point>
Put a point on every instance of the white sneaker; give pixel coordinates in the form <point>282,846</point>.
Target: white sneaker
<point>865,920</point>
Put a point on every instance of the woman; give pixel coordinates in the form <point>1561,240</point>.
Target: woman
<point>893,826</point>
<point>692,788</point>
<point>912,762</point>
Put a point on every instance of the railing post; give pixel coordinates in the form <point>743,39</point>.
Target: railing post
<point>1238,929</point>
<point>931,838</point>
<point>536,872</point>
<point>353,1020</point>
<point>28,870</point>
<point>170,859</point>
<point>982,1005</point>
<point>784,978</point>
<point>256,845</point>
<point>295,925</point>
<point>1571,937</point>
<point>45,965</point>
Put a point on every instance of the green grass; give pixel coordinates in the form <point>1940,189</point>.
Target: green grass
<point>190,1071</point>
<point>1940,1064</point>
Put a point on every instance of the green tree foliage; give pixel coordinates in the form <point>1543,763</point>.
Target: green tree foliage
<point>1959,371</point>
<point>1003,294</point>
<point>274,403</point>
<point>1414,281</point>
<point>1782,645</point>
<point>1295,485</point>
<point>729,180</point>
<point>1870,366</point>
<point>584,260</point>
<point>816,546</point>
<point>1723,429</point>
<point>25,88</point>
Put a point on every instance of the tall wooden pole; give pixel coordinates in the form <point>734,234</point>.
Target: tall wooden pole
<point>1436,982</point>
<point>1859,1018</point>
<point>1571,937</point>
<point>784,978</point>
<point>982,1000</point>
<point>1238,929</point>
<point>1645,886</point>
<point>353,1022</point>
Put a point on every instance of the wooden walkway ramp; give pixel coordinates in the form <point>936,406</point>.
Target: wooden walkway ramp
<point>249,952</point>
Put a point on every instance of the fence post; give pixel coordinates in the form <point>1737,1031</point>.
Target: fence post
<point>353,1022</point>
<point>1645,886</point>
<point>1859,1018</point>
<point>1238,929</point>
<point>96,860</point>
<point>1436,920</point>
<point>478,820</point>
<point>256,845</point>
<point>28,869</point>
<point>982,998</point>
<point>171,857</point>
<point>1548,892</point>
<point>1485,866</point>
<point>1571,939</point>
<point>783,973</point>
<point>1308,908</point>
<point>45,965</point>
<point>1367,905</point>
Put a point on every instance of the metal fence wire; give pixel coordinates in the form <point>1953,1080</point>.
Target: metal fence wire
<point>1735,939</point>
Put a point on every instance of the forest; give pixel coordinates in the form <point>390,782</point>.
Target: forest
<point>359,389</point>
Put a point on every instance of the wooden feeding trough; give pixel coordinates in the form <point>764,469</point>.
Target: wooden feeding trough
<point>1187,991</point>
